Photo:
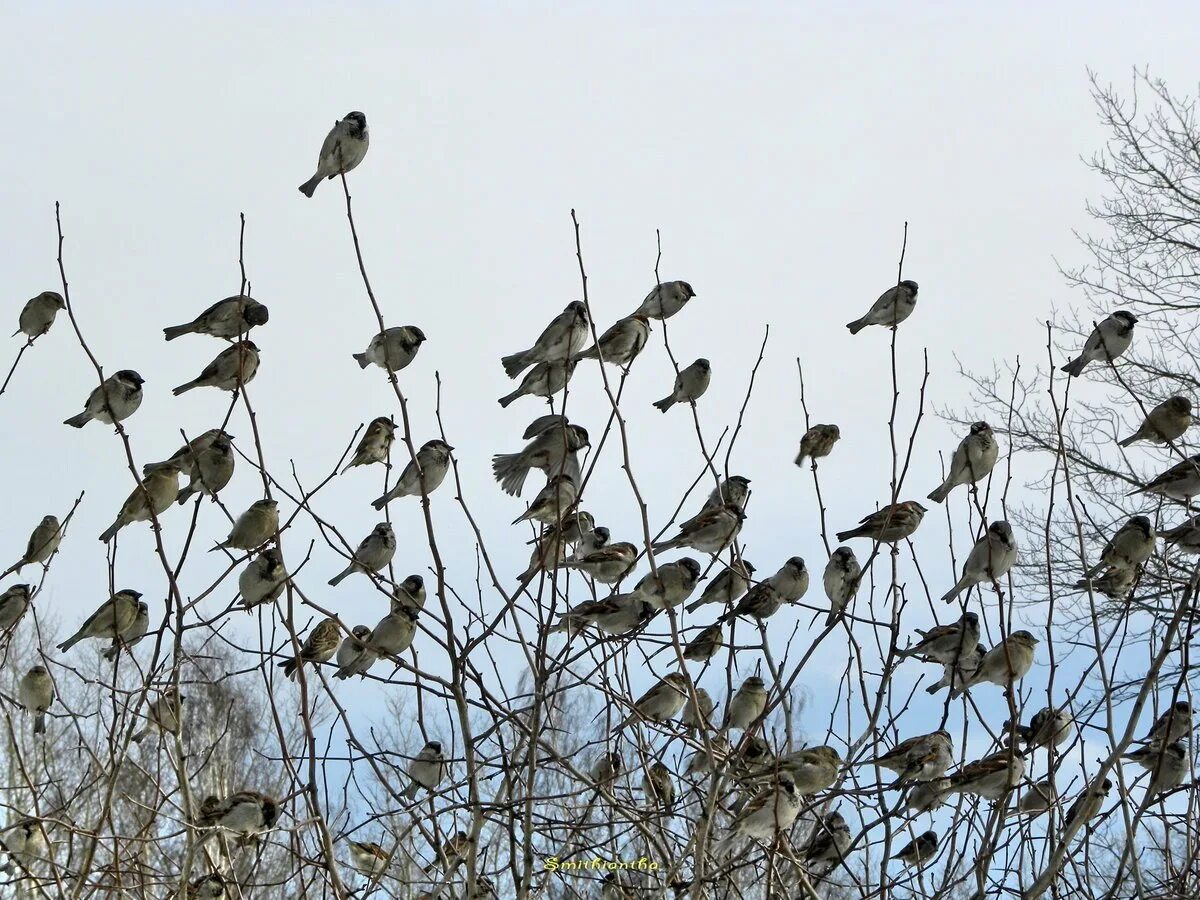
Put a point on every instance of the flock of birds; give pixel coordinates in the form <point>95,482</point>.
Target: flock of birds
<point>775,787</point>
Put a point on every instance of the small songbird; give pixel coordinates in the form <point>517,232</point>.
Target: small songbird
<point>690,385</point>
<point>769,812</point>
<point>410,594</point>
<point>246,813</point>
<point>662,702</point>
<point>618,614</point>
<point>373,553</point>
<point>1048,727</point>
<point>561,338</point>
<point>747,705</point>
<point>375,444</point>
<point>828,844</point>
<point>1168,767</point>
<point>131,635</point>
<point>13,603</point>
<point>185,456</point>
<point>607,767</point>
<point>353,646</point>
<point>665,299</point>
<point>705,645</point>
<point>1180,482</point>
<point>115,400</point>
<point>702,762</point>
<point>551,451</point>
<point>428,470</point>
<point>658,787</point>
<point>552,502</point>
<point>791,581</point>
<point>38,314</point>
<point>989,560</point>
<point>888,525</point>
<point>812,769</point>
<point>817,443</point>
<point>253,528</point>
<point>234,366</point>
<point>622,342</point>
<point>393,348</point>
<point>1038,798</point>
<point>990,777</point>
<point>452,853</point>
<point>1109,340</point>
<point>926,796</point>
<point>919,850</point>
<point>320,645</point>
<point>544,380</point>
<point>211,469</point>
<point>1185,536</point>
<point>427,770</point>
<point>113,617</point>
<point>726,587</point>
<point>1087,806</point>
<point>229,318</point>
<point>973,460</point>
<point>44,540</point>
<point>956,675</point>
<point>208,887</point>
<point>160,486</point>
<point>548,553</point>
<point>1165,423</point>
<point>608,565</point>
<point>25,842</point>
<point>343,149</point>
<point>163,715</point>
<point>36,693</point>
<point>735,489</point>
<point>843,574</point>
<point>1131,546</point>
<point>711,531</point>
<point>1005,664</point>
<point>925,757</point>
<point>1173,725</point>
<point>390,637</point>
<point>696,715</point>
<point>263,580</point>
<point>1114,583</point>
<point>761,602</point>
<point>893,306</point>
<point>946,643</point>
<point>673,583</point>
<point>368,858</point>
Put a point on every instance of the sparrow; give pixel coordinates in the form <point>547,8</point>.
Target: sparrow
<point>353,646</point>
<point>375,444</point>
<point>544,380</point>
<point>925,757</point>
<point>253,528</point>
<point>113,617</point>
<point>1087,806</point>
<point>550,547</point>
<point>410,594</point>
<point>234,366</point>
<point>926,796</point>
<point>1107,342</point>
<point>674,583</point>
<point>207,887</point>
<point>374,552</point>
<point>548,553</point>
<point>828,844</point>
<point>432,463</point>
<point>973,460</point>
<point>1180,482</point>
<point>791,581</point>
<point>690,385</point>
<point>393,348</point>
<point>229,318</point>
<point>1048,727</point>
<point>1038,798</point>
<point>697,715</point>
<point>773,809</point>
<point>711,531</point>
<point>889,524</point>
<point>618,614</point>
<point>657,786</point>
<point>246,813</point>
<point>185,456</point>
<point>343,149</point>
<point>607,767</point>
<point>747,705</point>
<point>551,451</point>
<point>735,489</point>
<point>990,777</point>
<point>590,541</point>
<point>160,486</point>
<point>26,842</point>
<point>702,762</point>
<point>1173,725</point>
<point>427,770</point>
<point>705,645</point>
<point>389,638</point>
<point>1165,423</point>
<point>1114,583</point>
<point>163,715</point>
<point>1131,546</point>
<point>561,338</point>
<point>13,603</point>
<point>919,850</point>
<point>817,443</point>
<point>622,342</point>
<point>843,574</point>
<point>761,602</point>
<point>320,645</point>
<point>1168,769</point>
<point>893,306</point>
<point>1005,664</point>
<point>665,299</point>
<point>811,770</point>
<point>726,587</point>
<point>42,543</point>
<point>452,853</point>
<point>211,468</point>
<point>607,565</point>
<point>36,693</point>
<point>38,314</point>
<point>1185,536</point>
<point>115,400</point>
<point>368,858</point>
<point>989,560</point>
<point>956,675</point>
<point>662,702</point>
<point>131,635</point>
<point>552,502</point>
<point>946,643</point>
<point>263,580</point>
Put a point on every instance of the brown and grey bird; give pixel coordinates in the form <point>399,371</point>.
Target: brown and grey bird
<point>246,813</point>
<point>990,777</point>
<point>132,635</point>
<point>13,603</point>
<point>390,637</point>
<point>1180,482</point>
<point>1173,725</point>
<point>1114,583</point>
<point>353,646</point>
<point>160,486</point>
<point>229,318</point>
<point>544,380</point>
<point>771,811</point>
<point>925,796</point>
<point>1037,798</point>
<point>607,767</point>
<point>368,858</point>
<point>410,594</point>
<point>185,456</point>
<point>925,757</point>
<point>428,470</point>
<point>618,614</point>
<point>711,531</point>
<point>208,887</point>
<point>1048,727</point>
<point>957,675</point>
<point>552,452</point>
<point>665,299</point>
<point>163,714</point>
<point>761,602</point>
<point>1109,340</point>
<point>746,706</point>
<point>114,615</point>
<point>973,460</point>
<point>811,770</point>
<point>393,348</point>
<point>726,587</point>
<point>919,850</point>
<point>1165,423</point>
<point>373,553</point>
<point>115,400</point>
<point>26,842</point>
<point>1131,546</point>
<point>843,574</point>
<point>622,342</point>
<point>735,489</point>
<point>263,579</point>
<point>989,560</point>
<point>791,581</point>
<point>1005,664</point>
<point>342,150</point>
<point>705,644</point>
<point>427,769</point>
<point>893,306</point>
<point>817,443</point>
<point>1168,767</point>
<point>888,525</point>
<point>946,643</point>
<point>561,338</point>
<point>661,703</point>
<point>673,583</point>
<point>211,468</point>
<point>234,366</point>
<point>658,787</point>
<point>36,693</point>
<point>608,565</point>
<point>44,540</point>
<point>552,502</point>
<point>319,647</point>
<point>827,846</point>
<point>38,314</point>
<point>1185,536</point>
<point>253,528</point>
<point>690,385</point>
<point>1087,806</point>
<point>697,713</point>
<point>452,853</point>
<point>375,444</point>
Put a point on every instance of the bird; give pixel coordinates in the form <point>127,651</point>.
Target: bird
<point>159,486</point>
<point>690,385</point>
<point>1114,583</point>
<point>373,553</point>
<point>389,638</point>
<point>747,705</point>
<point>426,770</point>
<point>710,531</point>
<point>1173,725</point>
<point>1108,341</point>
<point>817,443</point>
<point>207,887</point>
<point>989,560</point>
<point>550,546</point>
<point>410,594</point>
<point>211,468</point>
<point>185,456</point>
<point>131,635</point>
<point>973,460</point>
<point>452,852</point>
<point>1180,482</point>
<point>319,647</point>
<point>671,584</point>
<point>607,767</point>
<point>697,712</point>
<point>608,565</point>
<point>233,367</point>
<point>1048,727</point>
<point>253,528</point>
<point>552,502</point>
<point>925,796</point>
<point>353,646</point>
<point>658,787</point>
<point>1005,664</point>
<point>761,602</point>
<point>889,524</point>
<point>551,451</point>
<point>1131,546</point>
<point>772,810</point>
<point>263,579</point>
<point>163,715</point>
<point>621,344</point>
<point>703,761</point>
<point>544,380</point>
<point>925,757</point>
<point>843,574</point>
<point>375,444</point>
<point>343,149</point>
<point>618,614</point>
<point>548,553</point>
<point>13,603</point>
<point>423,475</point>
<point>791,581</point>
<point>735,489</point>
<point>1038,798</point>
<point>393,348</point>
<point>956,675</point>
<point>115,400</point>
<point>728,585</point>
<point>919,850</point>
<point>1165,423</point>
<point>893,306</point>
<point>990,777</point>
<point>811,770</point>
<point>560,339</point>
<point>1185,536</point>
<point>37,315</point>
<point>229,318</point>
<point>26,843</point>
<point>1168,767</point>
<point>945,643</point>
<point>1087,806</point>
<point>245,813</point>
<point>665,299</point>
<point>43,541</point>
<point>660,703</point>
<point>705,645</point>
<point>113,616</point>
<point>827,845</point>
<point>36,693</point>
<point>368,858</point>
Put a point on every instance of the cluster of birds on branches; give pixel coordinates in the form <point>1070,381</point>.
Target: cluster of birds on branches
<point>775,789</point>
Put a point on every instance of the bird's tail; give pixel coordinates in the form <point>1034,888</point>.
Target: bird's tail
<point>665,403</point>
<point>80,420</point>
<point>69,642</point>
<point>692,607</point>
<point>382,501</point>
<point>111,653</point>
<point>412,790</point>
<point>856,326</point>
<point>510,470</point>
<point>846,535</point>
<point>184,493</point>
<point>184,388</point>
<point>111,532</point>
<point>934,688</point>
<point>360,358</point>
<point>941,492</point>
<point>1075,366</point>
<point>801,457</point>
<point>310,186</point>
<point>1132,439</point>
<point>514,365</point>
<point>831,619</point>
<point>955,591</point>
<point>140,736</point>
<point>289,668</point>
<point>509,398</point>
<point>337,579</point>
<point>39,723</point>
<point>177,331</point>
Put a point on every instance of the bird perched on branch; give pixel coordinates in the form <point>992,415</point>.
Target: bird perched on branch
<point>747,705</point>
<point>1005,664</point>
<point>665,299</point>
<point>1048,727</point>
<point>771,811</point>
<point>115,400</point>
<point>211,468</point>
<point>393,348</point>
<point>551,451</point>
<point>544,380</point>
<point>254,527</point>
<point>246,813</point>
<point>730,584</point>
<point>991,777</point>
<point>375,444</point>
<point>561,338</point>
<point>373,553</point>
<point>1088,804</point>
<point>1180,482</point>
<point>428,470</point>
<point>989,560</point>
<point>817,443</point>
<point>1165,423</point>
<point>159,486</point>
<point>13,603</point>
<point>1185,536</point>
<point>553,501</point>
<point>661,703</point>
<point>229,318</point>
<point>690,385</point>
<point>946,643</point>
<point>36,693</point>
<point>38,314</point>
<point>319,647</point>
<point>670,585</point>
<point>426,770</point>
<point>263,580</point>
<point>1131,546</point>
<point>131,635</point>
<point>843,574</point>
<point>1173,725</point>
<point>163,715</point>
<point>973,460</point>
<point>1109,340</point>
<point>389,638</point>
<point>234,366</point>
<point>113,617</point>
<point>925,757</point>
<point>368,857</point>
<point>622,342</point>
<point>608,565</point>
<point>711,531</point>
<point>893,306</point>
<point>888,525</point>
<point>341,151</point>
<point>919,850</point>
<point>44,540</point>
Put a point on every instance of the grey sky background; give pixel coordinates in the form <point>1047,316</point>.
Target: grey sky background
<point>779,150</point>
